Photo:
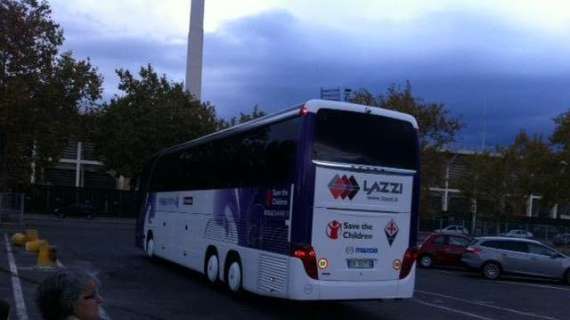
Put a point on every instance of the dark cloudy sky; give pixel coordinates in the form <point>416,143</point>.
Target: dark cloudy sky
<point>500,66</point>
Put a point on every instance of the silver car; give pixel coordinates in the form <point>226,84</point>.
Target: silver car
<point>494,256</point>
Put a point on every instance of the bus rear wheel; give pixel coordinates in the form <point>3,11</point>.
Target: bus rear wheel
<point>234,277</point>
<point>212,268</point>
<point>150,248</point>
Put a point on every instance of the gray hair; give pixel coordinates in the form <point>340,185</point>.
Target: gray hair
<point>58,293</point>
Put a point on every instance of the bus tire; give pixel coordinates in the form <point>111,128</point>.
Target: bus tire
<point>567,277</point>
<point>234,274</point>
<point>149,248</point>
<point>212,266</point>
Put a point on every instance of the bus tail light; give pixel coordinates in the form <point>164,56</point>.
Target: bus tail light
<point>303,111</point>
<point>409,258</point>
<point>308,257</point>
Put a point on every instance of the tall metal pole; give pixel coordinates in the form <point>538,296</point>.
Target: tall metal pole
<point>193,82</point>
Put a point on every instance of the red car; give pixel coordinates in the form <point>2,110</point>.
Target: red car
<point>442,249</point>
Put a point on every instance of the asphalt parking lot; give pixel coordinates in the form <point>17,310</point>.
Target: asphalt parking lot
<point>137,288</point>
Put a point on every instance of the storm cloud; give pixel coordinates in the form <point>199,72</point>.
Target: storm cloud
<point>497,77</point>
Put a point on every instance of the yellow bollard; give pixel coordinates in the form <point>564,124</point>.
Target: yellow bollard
<point>47,256</point>
<point>34,246</point>
<point>19,239</point>
<point>31,235</point>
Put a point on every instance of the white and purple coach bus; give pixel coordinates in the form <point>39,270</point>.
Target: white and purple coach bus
<point>318,202</point>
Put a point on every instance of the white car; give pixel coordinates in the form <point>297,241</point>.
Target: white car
<point>454,228</point>
<point>518,233</point>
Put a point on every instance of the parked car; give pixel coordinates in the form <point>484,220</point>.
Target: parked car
<point>442,249</point>
<point>562,239</point>
<point>518,233</point>
<point>76,210</point>
<point>494,256</point>
<point>454,228</point>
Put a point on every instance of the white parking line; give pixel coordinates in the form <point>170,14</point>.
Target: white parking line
<point>16,286</point>
<point>534,285</point>
<point>465,313</point>
<point>522,313</point>
<point>452,273</point>
<point>506,281</point>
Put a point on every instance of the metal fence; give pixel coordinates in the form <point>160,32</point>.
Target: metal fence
<point>107,202</point>
<point>12,207</point>
<point>541,228</point>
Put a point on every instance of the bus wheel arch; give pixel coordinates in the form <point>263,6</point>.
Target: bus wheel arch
<point>212,264</point>
<point>233,272</point>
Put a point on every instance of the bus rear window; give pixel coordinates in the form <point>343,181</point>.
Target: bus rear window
<point>360,138</point>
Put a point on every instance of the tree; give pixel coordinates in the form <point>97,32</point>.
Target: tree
<point>483,181</point>
<point>41,91</point>
<point>537,169</point>
<point>154,113</point>
<point>437,129</point>
<point>510,175</point>
<point>560,141</point>
<point>243,117</point>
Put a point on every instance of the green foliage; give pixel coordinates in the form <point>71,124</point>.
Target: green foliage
<point>153,114</point>
<point>243,117</point>
<point>511,174</point>
<point>561,135</point>
<point>560,140</point>
<point>437,129</point>
<point>41,91</point>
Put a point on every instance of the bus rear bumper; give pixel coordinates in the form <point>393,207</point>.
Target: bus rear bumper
<point>302,287</point>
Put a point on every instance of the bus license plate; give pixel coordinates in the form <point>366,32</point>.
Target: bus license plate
<point>360,263</point>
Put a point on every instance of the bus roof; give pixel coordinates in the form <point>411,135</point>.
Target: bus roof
<point>314,105</point>
<point>311,106</point>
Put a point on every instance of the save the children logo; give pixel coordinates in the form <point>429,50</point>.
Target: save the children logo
<point>343,187</point>
<point>334,229</point>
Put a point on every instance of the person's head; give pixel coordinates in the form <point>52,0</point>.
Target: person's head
<point>69,293</point>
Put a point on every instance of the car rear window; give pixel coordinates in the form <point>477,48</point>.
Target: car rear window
<point>458,241</point>
<point>439,240</point>
<point>517,246</point>
<point>491,244</point>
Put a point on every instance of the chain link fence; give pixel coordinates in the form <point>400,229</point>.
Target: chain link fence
<point>542,228</point>
<point>12,207</point>
<point>105,202</point>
